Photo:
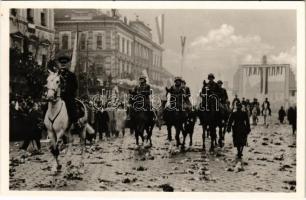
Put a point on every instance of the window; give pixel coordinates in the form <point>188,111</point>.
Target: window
<point>118,43</point>
<point>100,70</point>
<point>292,93</point>
<point>83,41</point>
<point>123,41</point>
<point>14,12</point>
<point>30,15</point>
<point>43,18</point>
<point>99,41</point>
<point>128,47</point>
<point>65,39</point>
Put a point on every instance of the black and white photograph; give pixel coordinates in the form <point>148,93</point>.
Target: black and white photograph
<point>153,100</point>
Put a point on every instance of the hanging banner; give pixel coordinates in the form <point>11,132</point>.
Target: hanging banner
<point>160,24</point>
<point>74,55</point>
<point>183,42</point>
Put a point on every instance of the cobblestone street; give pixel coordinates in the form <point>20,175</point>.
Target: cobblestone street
<point>116,165</point>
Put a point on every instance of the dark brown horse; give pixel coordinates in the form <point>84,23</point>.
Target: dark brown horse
<point>175,116</point>
<point>212,115</point>
<point>141,119</point>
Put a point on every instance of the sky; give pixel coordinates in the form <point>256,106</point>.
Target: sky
<point>218,41</point>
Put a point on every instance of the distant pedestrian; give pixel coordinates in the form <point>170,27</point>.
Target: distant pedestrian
<point>281,115</point>
<point>239,123</point>
<point>291,116</point>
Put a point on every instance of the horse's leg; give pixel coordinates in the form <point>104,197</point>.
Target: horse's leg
<point>150,135</point>
<point>221,135</point>
<point>54,150</point>
<point>177,135</point>
<point>184,137</point>
<point>203,135</point>
<point>136,136</point>
<point>190,137</point>
<point>213,136</point>
<point>123,131</point>
<point>169,133</point>
<point>191,134</point>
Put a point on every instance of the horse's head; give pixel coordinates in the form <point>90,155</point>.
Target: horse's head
<point>52,86</point>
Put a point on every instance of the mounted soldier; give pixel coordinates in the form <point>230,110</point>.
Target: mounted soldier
<point>143,91</point>
<point>69,85</point>
<point>142,116</point>
<point>187,94</point>
<point>266,105</point>
<point>177,93</point>
<point>174,114</point>
<point>223,94</point>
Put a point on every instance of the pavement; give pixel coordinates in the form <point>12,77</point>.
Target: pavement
<point>116,164</point>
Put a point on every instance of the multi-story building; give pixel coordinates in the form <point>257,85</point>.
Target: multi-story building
<point>274,81</point>
<point>33,29</point>
<point>113,46</point>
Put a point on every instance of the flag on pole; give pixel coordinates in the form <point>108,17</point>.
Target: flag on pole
<point>183,42</point>
<point>160,24</point>
<point>74,55</point>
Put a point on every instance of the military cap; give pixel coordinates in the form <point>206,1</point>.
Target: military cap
<point>63,57</point>
<point>211,76</point>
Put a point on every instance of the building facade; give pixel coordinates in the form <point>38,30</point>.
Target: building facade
<point>109,45</point>
<point>274,81</point>
<point>32,30</point>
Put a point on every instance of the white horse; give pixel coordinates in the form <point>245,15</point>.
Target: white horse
<point>56,118</point>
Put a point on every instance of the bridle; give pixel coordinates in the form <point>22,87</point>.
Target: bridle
<point>56,95</point>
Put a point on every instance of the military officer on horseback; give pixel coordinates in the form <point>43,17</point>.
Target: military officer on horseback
<point>187,94</point>
<point>69,86</point>
<point>266,104</point>
<point>143,91</point>
<point>212,85</point>
<point>223,92</point>
<point>177,93</point>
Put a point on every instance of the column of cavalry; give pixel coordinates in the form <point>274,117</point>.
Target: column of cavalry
<point>67,115</point>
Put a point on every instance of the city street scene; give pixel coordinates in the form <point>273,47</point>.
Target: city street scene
<point>152,100</point>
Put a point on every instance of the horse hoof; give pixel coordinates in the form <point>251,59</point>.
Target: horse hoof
<point>59,167</point>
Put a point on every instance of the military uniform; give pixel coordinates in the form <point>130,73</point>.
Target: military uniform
<point>144,91</point>
<point>223,95</point>
<point>69,88</point>
<point>213,88</point>
<point>187,95</point>
<point>176,97</point>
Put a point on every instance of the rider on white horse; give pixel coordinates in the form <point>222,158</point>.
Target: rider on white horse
<point>266,105</point>
<point>69,86</point>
